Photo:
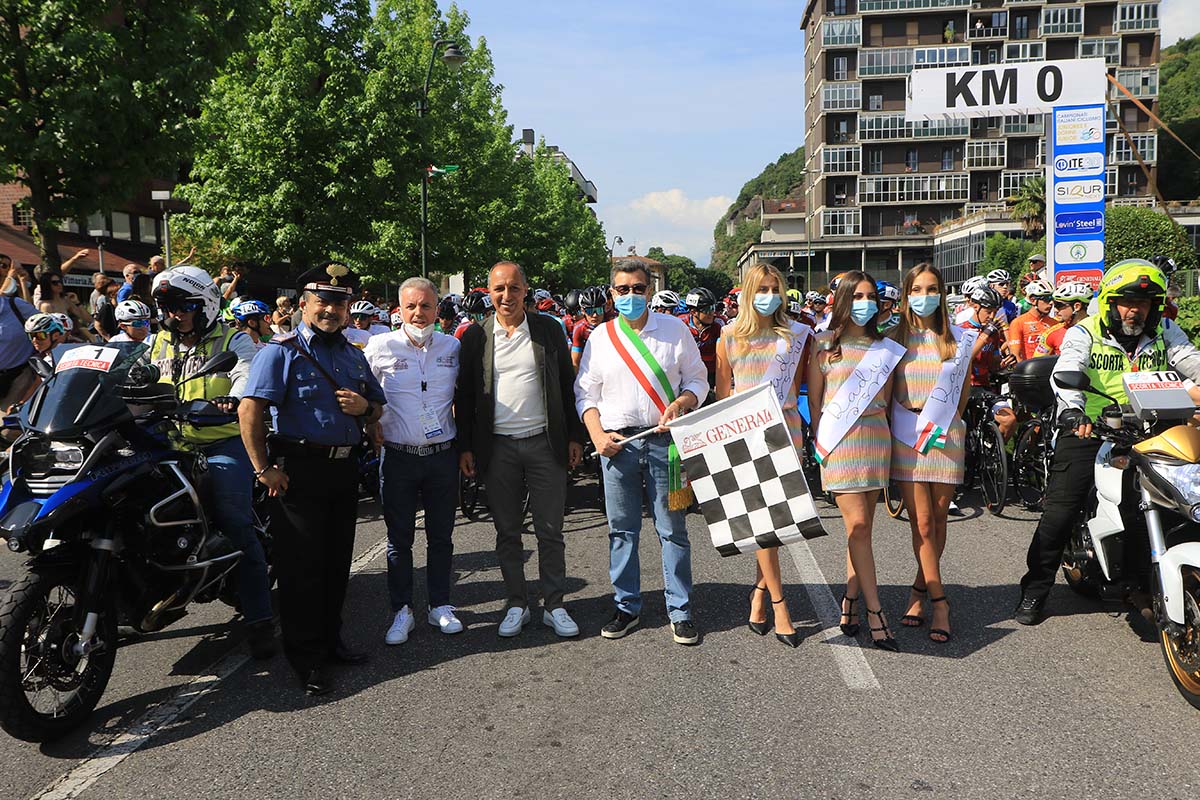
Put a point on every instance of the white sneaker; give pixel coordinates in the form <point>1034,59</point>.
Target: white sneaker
<point>561,621</point>
<point>402,625</point>
<point>516,619</point>
<point>443,618</point>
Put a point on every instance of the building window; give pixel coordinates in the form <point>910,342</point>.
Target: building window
<point>841,68</point>
<point>841,32</point>
<point>1020,27</point>
<point>914,188</point>
<point>987,154</point>
<point>1110,181</point>
<point>947,159</point>
<point>839,194</point>
<point>1058,21</point>
<point>1012,180</point>
<point>844,159</point>
<point>1108,48</point>
<point>841,96</point>
<point>841,131</point>
<point>840,222</point>
<point>121,226</point>
<point>885,61</point>
<point>1024,51</point>
<point>874,161</point>
<point>875,102</point>
<point>910,160</point>
<point>1136,17</point>
<point>22,217</point>
<point>1122,153</point>
<point>941,56</point>
<point>839,8</point>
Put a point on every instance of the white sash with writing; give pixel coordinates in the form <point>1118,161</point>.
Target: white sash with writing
<point>929,429</point>
<point>781,372</point>
<point>852,398</point>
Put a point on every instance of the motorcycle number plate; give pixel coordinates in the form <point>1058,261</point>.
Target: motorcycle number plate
<point>1158,394</point>
<point>88,357</point>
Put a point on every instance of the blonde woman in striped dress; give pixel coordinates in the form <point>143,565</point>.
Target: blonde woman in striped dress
<point>857,469</point>
<point>746,350</point>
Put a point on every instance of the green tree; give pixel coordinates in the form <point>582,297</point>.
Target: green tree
<point>286,170</point>
<point>728,247</point>
<point>1028,206</point>
<point>97,97</point>
<point>1004,252</point>
<point>683,274</point>
<point>1179,107</point>
<point>778,179</point>
<point>1131,232</point>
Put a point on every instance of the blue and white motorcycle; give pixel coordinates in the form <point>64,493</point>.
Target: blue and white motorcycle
<point>113,519</point>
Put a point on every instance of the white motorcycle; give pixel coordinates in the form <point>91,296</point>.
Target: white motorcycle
<point>1151,437</point>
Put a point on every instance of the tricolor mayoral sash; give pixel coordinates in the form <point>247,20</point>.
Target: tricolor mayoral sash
<point>928,430</point>
<point>855,395</point>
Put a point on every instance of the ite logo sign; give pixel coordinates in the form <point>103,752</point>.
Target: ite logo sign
<point>1081,165</point>
<point>1077,192</point>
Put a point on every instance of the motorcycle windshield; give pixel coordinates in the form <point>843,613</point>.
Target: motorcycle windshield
<point>82,394</point>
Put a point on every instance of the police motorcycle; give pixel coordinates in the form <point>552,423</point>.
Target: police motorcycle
<point>1148,447</point>
<point>114,522</point>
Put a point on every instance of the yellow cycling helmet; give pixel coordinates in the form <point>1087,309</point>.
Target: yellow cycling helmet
<point>795,295</point>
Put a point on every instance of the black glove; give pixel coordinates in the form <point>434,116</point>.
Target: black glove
<point>1071,419</point>
<point>224,399</point>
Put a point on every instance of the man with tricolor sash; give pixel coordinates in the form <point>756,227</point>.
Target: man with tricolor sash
<point>638,372</point>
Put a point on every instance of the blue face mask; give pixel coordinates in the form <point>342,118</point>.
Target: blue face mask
<point>765,303</point>
<point>863,311</point>
<point>924,305</point>
<point>631,306</point>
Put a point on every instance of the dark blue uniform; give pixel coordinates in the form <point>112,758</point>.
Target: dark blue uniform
<point>317,445</point>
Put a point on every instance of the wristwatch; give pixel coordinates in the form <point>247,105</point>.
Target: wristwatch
<point>258,473</point>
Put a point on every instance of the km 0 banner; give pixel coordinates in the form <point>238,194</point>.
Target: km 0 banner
<point>739,459</point>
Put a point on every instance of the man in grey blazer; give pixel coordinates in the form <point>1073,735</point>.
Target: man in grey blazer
<point>514,408</point>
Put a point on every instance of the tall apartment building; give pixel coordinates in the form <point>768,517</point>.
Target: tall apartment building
<point>878,186</point>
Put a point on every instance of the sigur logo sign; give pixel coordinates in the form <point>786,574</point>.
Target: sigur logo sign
<point>1078,192</point>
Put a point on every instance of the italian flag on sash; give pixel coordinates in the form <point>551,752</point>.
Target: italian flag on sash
<point>654,382</point>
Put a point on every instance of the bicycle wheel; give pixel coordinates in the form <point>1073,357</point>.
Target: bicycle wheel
<point>1029,473</point>
<point>993,468</point>
<point>894,500</point>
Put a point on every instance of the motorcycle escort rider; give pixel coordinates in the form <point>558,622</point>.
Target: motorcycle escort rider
<point>1127,335</point>
<point>192,333</point>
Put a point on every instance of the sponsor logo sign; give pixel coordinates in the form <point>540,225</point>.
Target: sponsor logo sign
<point>1075,194</point>
<point>1078,222</point>
<point>1081,165</point>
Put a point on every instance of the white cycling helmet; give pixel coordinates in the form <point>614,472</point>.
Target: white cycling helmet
<point>44,323</point>
<point>187,284</point>
<point>666,300</point>
<point>131,310</point>
<point>363,307</point>
<point>542,294</point>
<point>64,320</point>
<point>971,284</point>
<point>1040,289</point>
<point>381,316</point>
<point>397,319</point>
<point>1074,291</point>
<point>999,276</point>
<point>814,297</point>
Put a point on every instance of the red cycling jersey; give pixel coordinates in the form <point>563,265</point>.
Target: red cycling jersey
<point>1025,331</point>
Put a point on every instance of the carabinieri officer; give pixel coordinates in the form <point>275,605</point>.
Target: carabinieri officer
<point>322,394</point>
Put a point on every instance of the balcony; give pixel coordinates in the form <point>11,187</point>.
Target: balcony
<point>842,32</point>
<point>892,127</point>
<point>987,154</point>
<point>890,189</point>
<point>1011,180</point>
<point>1132,17</point>
<point>841,159</point>
<point>841,96</point>
<point>1122,153</point>
<point>885,61</point>
<point>840,222</point>
<point>1108,48</point>
<point>877,6</point>
<point>1016,126</point>
<point>977,32</point>
<point>1139,82</point>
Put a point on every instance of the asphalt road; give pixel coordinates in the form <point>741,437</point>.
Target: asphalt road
<point>1077,707</point>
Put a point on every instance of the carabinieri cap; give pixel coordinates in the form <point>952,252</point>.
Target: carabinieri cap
<point>331,280</point>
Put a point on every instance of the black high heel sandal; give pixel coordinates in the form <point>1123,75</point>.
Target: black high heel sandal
<point>939,631</point>
<point>914,620</point>
<point>849,628</point>
<point>887,642</point>
<point>759,628</point>
<point>790,639</point>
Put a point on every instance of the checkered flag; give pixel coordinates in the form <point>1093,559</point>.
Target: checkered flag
<point>739,460</point>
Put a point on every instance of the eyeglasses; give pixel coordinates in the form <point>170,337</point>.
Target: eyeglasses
<point>591,312</point>
<point>706,310</point>
<point>360,317</point>
<point>637,288</point>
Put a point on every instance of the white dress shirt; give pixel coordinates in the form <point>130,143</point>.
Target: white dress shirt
<point>605,383</point>
<point>520,403</point>
<point>401,368</point>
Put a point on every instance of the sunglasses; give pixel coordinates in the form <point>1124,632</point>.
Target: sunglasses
<point>39,336</point>
<point>137,323</point>
<point>361,316</point>
<point>591,312</point>
<point>180,307</point>
<point>1061,305</point>
<point>637,288</point>
<point>56,283</point>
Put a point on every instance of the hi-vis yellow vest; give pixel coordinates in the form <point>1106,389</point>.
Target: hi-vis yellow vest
<point>163,355</point>
<point>1107,362</point>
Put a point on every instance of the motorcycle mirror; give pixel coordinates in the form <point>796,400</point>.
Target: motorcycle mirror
<point>218,362</point>
<point>43,370</point>
<point>1078,381</point>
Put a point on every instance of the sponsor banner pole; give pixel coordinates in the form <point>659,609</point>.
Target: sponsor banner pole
<point>1075,185</point>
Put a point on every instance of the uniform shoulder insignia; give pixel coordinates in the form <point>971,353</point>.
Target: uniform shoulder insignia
<point>283,337</point>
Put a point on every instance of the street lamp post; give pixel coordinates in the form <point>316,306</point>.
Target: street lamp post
<point>612,247</point>
<point>453,58</point>
<point>162,197</point>
<point>98,234</point>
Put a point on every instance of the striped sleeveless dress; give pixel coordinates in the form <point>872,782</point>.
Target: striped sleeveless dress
<point>915,377</point>
<point>862,461</point>
<point>749,359</point>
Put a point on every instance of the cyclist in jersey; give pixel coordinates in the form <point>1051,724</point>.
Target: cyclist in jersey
<point>593,301</point>
<point>477,306</point>
<point>1001,281</point>
<point>571,311</point>
<point>1027,329</point>
<point>253,319</point>
<point>701,319</point>
<point>133,318</point>
<point>1071,304</point>
<point>889,298</point>
<point>993,356</point>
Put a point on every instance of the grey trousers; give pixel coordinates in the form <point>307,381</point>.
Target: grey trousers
<point>520,466</point>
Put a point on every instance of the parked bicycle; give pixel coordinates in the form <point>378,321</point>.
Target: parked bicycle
<point>1030,387</point>
<point>985,459</point>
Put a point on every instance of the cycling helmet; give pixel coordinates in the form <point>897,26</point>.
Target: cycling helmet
<point>666,300</point>
<point>477,303</point>
<point>1037,257</point>
<point>833,284</point>
<point>184,284</point>
<point>241,311</point>
<point>971,284</point>
<point>593,297</point>
<point>1164,263</point>
<point>44,323</point>
<point>542,294</point>
<point>571,301</point>
<point>794,307</point>
<point>986,296</point>
<point>361,308</point>
<point>397,320</point>
<point>1074,292</point>
<point>547,305</point>
<point>131,310</point>
<point>382,316</point>
<point>447,309</point>
<point>1039,289</point>
<point>999,276</point>
<point>795,295</point>
<point>65,320</point>
<point>700,297</point>
<point>887,291</point>
<point>1136,278</point>
<point>814,297</point>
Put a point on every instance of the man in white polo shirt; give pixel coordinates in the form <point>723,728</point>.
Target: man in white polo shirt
<point>517,426</point>
<point>624,361</point>
<point>417,368</point>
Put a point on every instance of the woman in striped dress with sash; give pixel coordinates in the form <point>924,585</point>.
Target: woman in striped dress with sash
<point>761,345</point>
<point>849,387</point>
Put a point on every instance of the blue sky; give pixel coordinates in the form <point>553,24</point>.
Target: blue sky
<point>668,106</point>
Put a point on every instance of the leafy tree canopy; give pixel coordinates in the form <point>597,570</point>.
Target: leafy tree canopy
<point>1179,106</point>
<point>683,274</point>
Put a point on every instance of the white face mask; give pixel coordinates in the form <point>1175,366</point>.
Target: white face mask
<point>420,336</point>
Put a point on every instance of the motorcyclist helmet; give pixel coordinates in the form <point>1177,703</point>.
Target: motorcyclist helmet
<point>1133,278</point>
<point>188,287</point>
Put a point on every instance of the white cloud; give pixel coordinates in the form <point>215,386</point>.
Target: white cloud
<point>669,219</point>
<point>1178,20</point>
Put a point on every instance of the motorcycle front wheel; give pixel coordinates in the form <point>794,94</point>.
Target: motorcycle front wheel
<point>46,688</point>
<point>1181,649</point>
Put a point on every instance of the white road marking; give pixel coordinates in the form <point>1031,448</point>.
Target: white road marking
<point>104,758</point>
<point>856,672</point>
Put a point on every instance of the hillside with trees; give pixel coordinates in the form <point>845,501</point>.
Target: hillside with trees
<point>781,178</point>
<point>1179,107</point>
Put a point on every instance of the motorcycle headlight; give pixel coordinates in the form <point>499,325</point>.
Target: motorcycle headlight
<point>66,456</point>
<point>1185,478</point>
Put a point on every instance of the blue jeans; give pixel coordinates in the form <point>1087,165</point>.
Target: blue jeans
<point>403,477</point>
<point>640,470</point>
<point>232,481</point>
